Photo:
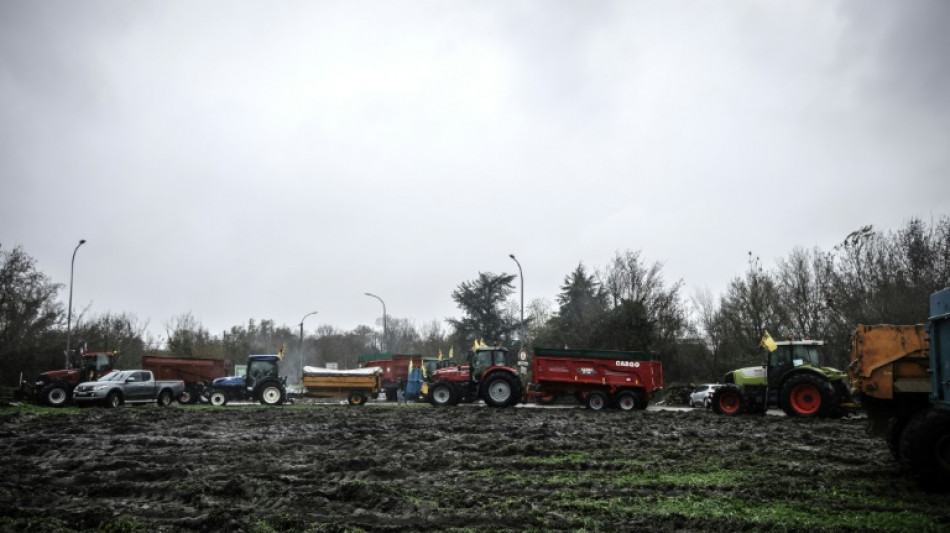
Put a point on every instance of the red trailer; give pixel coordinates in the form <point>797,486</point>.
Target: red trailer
<point>394,366</point>
<point>597,378</point>
<point>196,373</point>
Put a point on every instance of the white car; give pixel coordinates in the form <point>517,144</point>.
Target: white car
<point>702,395</point>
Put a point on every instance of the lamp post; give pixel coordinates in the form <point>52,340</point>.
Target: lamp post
<point>69,311</point>
<point>371,295</point>
<point>301,343</point>
<point>520,273</point>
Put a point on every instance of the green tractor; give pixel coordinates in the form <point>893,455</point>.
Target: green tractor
<point>792,379</point>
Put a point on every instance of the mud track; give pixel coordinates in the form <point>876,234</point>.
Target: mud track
<point>416,468</point>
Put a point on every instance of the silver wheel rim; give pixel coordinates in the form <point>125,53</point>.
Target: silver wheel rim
<point>596,402</point>
<point>57,396</point>
<point>440,395</point>
<point>500,390</point>
<point>271,395</point>
<point>626,403</point>
<point>217,399</point>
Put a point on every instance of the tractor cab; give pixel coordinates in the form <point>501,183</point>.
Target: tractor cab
<point>483,359</point>
<point>95,365</point>
<point>259,368</point>
<point>789,355</point>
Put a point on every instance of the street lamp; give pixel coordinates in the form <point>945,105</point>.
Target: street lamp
<point>371,295</point>
<point>69,311</point>
<point>301,343</point>
<point>520,273</point>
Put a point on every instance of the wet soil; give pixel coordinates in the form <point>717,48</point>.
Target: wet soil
<point>418,468</point>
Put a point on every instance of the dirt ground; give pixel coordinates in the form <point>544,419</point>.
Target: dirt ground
<point>418,468</point>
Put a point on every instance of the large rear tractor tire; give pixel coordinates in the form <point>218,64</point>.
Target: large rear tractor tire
<point>627,401</point>
<point>925,449</point>
<point>501,389</point>
<point>218,399</point>
<point>728,400</point>
<point>596,401</point>
<point>55,395</point>
<point>356,398</point>
<point>271,395</point>
<point>808,396</point>
<point>442,395</point>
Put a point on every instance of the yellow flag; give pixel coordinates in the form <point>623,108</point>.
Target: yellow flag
<point>280,354</point>
<point>767,341</point>
<point>451,349</point>
<point>440,354</point>
<point>474,345</point>
<point>410,366</point>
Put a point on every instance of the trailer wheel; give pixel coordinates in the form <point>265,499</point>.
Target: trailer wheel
<point>218,398</point>
<point>113,400</point>
<point>356,398</point>
<point>271,395</point>
<point>596,401</point>
<point>728,400</point>
<point>500,390</point>
<point>165,398</point>
<point>54,395</point>
<point>627,401</point>
<point>442,394</point>
<point>925,449</point>
<point>807,396</point>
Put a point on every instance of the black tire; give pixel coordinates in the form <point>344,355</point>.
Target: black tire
<point>218,398</point>
<point>113,400</point>
<point>808,396</point>
<point>925,449</point>
<point>391,394</point>
<point>728,400</point>
<point>271,394</point>
<point>55,395</point>
<point>165,398</point>
<point>501,389</point>
<point>895,429</point>
<point>596,401</point>
<point>442,395</point>
<point>627,401</point>
<point>356,398</point>
<point>189,396</point>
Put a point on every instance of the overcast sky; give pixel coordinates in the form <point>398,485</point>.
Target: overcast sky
<point>241,160</point>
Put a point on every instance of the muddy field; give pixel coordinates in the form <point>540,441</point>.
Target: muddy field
<point>417,468</point>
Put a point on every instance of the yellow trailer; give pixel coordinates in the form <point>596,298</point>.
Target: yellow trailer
<point>357,386</point>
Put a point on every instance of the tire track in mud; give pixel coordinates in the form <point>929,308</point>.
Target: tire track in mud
<point>385,468</point>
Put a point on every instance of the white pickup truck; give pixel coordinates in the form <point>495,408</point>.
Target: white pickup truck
<point>127,386</point>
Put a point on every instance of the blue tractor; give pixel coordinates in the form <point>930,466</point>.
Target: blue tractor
<point>260,383</point>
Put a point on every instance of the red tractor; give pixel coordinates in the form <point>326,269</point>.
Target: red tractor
<point>488,377</point>
<point>55,388</point>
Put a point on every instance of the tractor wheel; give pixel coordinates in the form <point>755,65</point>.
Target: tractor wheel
<point>356,398</point>
<point>113,400</point>
<point>271,395</point>
<point>728,400</point>
<point>218,398</point>
<point>895,429</point>
<point>925,449</point>
<point>501,390</point>
<point>627,401</point>
<point>165,398</point>
<point>807,396</point>
<point>442,394</point>
<point>55,395</point>
<point>596,401</point>
<point>189,395</point>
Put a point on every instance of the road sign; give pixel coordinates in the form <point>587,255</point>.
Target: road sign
<point>523,355</point>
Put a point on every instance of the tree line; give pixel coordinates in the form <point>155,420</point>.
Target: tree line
<point>870,277</point>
